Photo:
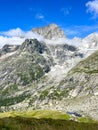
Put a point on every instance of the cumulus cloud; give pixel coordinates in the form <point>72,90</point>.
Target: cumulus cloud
<point>14,33</point>
<point>10,40</point>
<point>92,7</point>
<point>71,32</point>
<point>74,42</point>
<point>39,16</point>
<point>65,11</point>
<point>17,36</point>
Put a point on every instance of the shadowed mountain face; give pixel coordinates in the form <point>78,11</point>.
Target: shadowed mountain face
<point>8,49</point>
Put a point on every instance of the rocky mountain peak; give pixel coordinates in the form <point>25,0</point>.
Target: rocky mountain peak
<point>53,26</point>
<point>33,45</point>
<point>51,31</point>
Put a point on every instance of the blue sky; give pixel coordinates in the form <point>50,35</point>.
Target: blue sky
<point>76,17</point>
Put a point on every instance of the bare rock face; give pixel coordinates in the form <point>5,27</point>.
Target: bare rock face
<point>8,49</point>
<point>51,31</point>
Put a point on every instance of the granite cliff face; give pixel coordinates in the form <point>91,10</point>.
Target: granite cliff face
<point>37,75</point>
<point>51,31</point>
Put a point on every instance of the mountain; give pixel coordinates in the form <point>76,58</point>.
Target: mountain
<point>31,69</point>
<point>50,74</point>
<point>25,65</point>
<point>51,31</point>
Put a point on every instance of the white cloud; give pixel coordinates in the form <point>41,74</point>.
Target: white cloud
<point>39,16</point>
<point>80,31</point>
<point>10,40</point>
<point>14,33</point>
<point>92,7</point>
<point>75,41</point>
<point>20,33</point>
<point>17,36</point>
<point>65,11</point>
<point>70,31</point>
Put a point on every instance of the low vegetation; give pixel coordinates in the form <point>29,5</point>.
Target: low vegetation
<point>21,123</point>
<point>43,120</point>
<point>13,100</point>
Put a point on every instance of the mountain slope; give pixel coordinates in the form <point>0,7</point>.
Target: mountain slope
<point>84,76</point>
<point>77,92</point>
<point>82,81</point>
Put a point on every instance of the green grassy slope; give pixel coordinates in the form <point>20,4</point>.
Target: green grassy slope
<point>36,114</point>
<point>20,123</point>
<point>47,114</point>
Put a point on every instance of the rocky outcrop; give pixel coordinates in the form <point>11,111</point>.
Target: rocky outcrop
<point>51,31</point>
<point>8,49</point>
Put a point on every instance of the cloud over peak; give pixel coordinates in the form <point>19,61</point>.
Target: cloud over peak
<point>13,33</point>
<point>17,36</point>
